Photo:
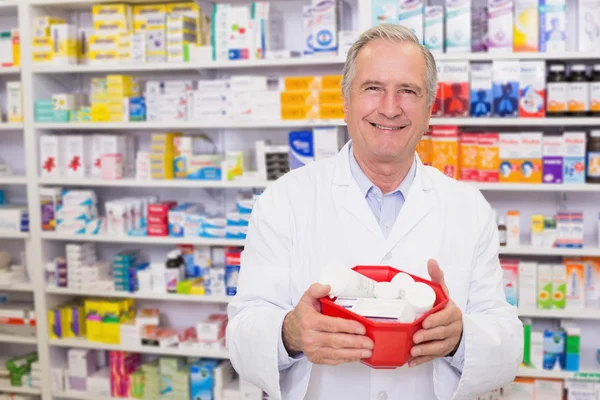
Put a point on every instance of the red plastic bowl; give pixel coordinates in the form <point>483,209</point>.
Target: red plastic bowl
<point>393,340</point>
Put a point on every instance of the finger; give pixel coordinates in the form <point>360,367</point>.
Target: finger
<point>427,335</point>
<point>436,348</point>
<point>342,341</point>
<point>446,316</point>
<point>347,355</point>
<point>420,360</point>
<point>317,291</point>
<point>338,325</point>
<point>436,274</point>
<point>327,361</point>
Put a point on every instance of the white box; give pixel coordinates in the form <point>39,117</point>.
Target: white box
<point>307,33</point>
<point>63,37</point>
<point>81,362</point>
<point>458,26</point>
<point>552,19</point>
<point>410,15</point>
<point>500,26</point>
<point>433,35</point>
<point>537,350</point>
<point>14,101</point>
<point>513,229</point>
<point>527,285</point>
<point>6,54</point>
<point>52,156</point>
<point>325,27</point>
<point>548,389</point>
<point>327,142</point>
<point>588,22</point>
<point>78,159</point>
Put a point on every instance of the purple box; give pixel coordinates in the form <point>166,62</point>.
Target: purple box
<point>77,383</point>
<point>553,159</point>
<point>479,29</point>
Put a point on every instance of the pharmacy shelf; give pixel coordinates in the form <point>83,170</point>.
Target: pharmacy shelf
<point>542,251</point>
<point>188,66</point>
<point>173,183</point>
<point>164,351</point>
<point>536,187</point>
<point>188,125</point>
<point>13,180</point>
<point>11,126</point>
<point>83,4</point>
<point>14,235</point>
<point>166,240</point>
<point>17,339</point>
<point>249,183</point>
<point>8,70</point>
<point>562,55</point>
<point>16,287</point>
<point>585,313</point>
<point>537,373</point>
<point>517,122</point>
<point>19,389</point>
<point>75,395</point>
<point>142,296</point>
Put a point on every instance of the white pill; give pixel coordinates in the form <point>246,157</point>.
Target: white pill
<point>386,290</point>
<point>421,297</point>
<point>402,281</point>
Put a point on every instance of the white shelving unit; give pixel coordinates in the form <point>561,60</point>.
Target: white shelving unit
<point>41,246</point>
<point>19,390</point>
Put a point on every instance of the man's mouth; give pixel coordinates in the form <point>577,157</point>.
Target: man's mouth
<point>388,127</point>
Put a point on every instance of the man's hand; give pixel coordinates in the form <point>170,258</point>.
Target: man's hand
<point>324,340</point>
<point>441,331</point>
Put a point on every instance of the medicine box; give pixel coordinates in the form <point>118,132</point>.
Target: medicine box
<point>456,88</point>
<point>52,155</point>
<point>444,146</point>
<point>526,28</point>
<point>481,90</point>
<point>588,25</point>
<point>14,101</point>
<point>532,92</point>
<point>544,287</point>
<point>527,285</point>
<point>553,151</point>
<point>326,26</point>
<point>506,76</point>
<point>433,35</point>
<point>500,25</point>
<point>410,15</point>
<point>575,284</point>
<point>552,20</point>
<point>559,286</point>
<point>509,154</point>
<point>468,157</point>
<point>574,157</point>
<point>531,157</point>
<point>458,26</point>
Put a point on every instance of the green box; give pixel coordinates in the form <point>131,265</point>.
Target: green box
<point>559,286</point>
<point>544,287</point>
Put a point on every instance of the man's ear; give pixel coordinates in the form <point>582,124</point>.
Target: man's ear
<point>346,104</point>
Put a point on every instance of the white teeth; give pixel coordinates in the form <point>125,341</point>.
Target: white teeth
<point>387,128</point>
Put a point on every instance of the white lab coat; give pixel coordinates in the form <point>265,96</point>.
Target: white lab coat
<point>315,215</point>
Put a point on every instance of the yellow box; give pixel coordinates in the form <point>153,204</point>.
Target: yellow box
<point>118,79</point>
<point>103,56</point>
<point>93,320</point>
<point>191,10</point>
<point>111,27</point>
<point>149,17</point>
<point>104,42</point>
<point>299,98</point>
<point>42,43</point>
<point>331,111</point>
<point>331,82</point>
<point>303,83</point>
<point>111,328</point>
<point>424,149</point>
<point>73,315</point>
<point>41,56</point>
<point>444,147</point>
<point>16,46</point>
<point>331,96</point>
<point>46,22</point>
<point>181,24</point>
<point>299,112</point>
<point>509,157</point>
<point>54,323</point>
<point>488,157</point>
<point>111,11</point>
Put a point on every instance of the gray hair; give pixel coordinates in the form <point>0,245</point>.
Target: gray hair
<point>395,33</point>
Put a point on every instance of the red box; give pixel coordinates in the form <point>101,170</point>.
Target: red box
<point>161,208</point>
<point>158,230</point>
<point>156,219</point>
<point>393,340</point>
<point>437,109</point>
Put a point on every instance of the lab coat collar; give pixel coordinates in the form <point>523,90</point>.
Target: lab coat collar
<point>418,203</point>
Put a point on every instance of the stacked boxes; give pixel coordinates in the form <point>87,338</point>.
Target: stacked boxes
<point>125,271</point>
<point>122,365</point>
<point>64,44</point>
<point>66,321</point>
<point>213,100</point>
<point>312,97</point>
<point>168,101</point>
<point>99,100</point>
<point>151,381</point>
<point>119,89</point>
<point>78,210</point>
<point>162,155</point>
<point>79,259</point>
<point>110,41</point>
<point>42,43</point>
<point>81,364</point>
<point>150,23</point>
<point>158,220</point>
<point>181,34</point>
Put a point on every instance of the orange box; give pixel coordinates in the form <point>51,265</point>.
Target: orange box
<point>302,83</point>
<point>298,97</point>
<point>468,157</point>
<point>444,147</point>
<point>424,149</point>
<point>299,112</point>
<point>331,82</point>
<point>331,111</point>
<point>488,160</point>
<point>331,96</point>
<point>531,157</point>
<point>510,157</point>
<point>575,283</point>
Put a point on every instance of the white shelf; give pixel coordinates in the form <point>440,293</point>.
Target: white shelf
<point>143,239</point>
<point>143,296</point>
<point>537,373</point>
<point>188,125</point>
<point>8,70</point>
<point>165,351</point>
<point>11,126</point>
<point>75,395</point>
<point>517,122</point>
<point>172,183</point>
<point>208,64</point>
<point>17,287</point>
<point>13,180</point>
<point>585,313</point>
<point>562,55</point>
<point>19,389</point>
<point>536,187</point>
<point>14,235</point>
<point>540,251</point>
<point>17,339</point>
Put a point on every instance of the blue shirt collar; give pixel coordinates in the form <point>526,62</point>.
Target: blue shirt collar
<point>365,184</point>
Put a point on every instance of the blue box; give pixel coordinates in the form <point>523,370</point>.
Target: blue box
<point>481,90</point>
<point>302,149</point>
<point>202,379</point>
<point>506,76</point>
<point>231,279</point>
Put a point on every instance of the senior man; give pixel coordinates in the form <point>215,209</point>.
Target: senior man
<point>374,203</point>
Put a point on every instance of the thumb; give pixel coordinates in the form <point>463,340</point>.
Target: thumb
<point>436,274</point>
<point>315,292</point>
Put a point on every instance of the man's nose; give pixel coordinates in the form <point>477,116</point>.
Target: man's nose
<point>390,106</point>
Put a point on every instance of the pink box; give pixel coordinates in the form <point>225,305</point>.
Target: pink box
<point>111,166</point>
<point>161,209</point>
<point>158,230</point>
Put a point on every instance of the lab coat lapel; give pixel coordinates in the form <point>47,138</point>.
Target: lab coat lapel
<point>419,202</point>
<point>347,196</point>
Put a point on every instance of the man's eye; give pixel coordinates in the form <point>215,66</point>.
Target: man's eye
<point>408,91</point>
<point>372,88</point>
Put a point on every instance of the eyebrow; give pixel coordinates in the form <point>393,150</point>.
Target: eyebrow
<point>405,85</point>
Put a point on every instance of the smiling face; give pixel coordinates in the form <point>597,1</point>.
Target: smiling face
<point>387,111</point>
